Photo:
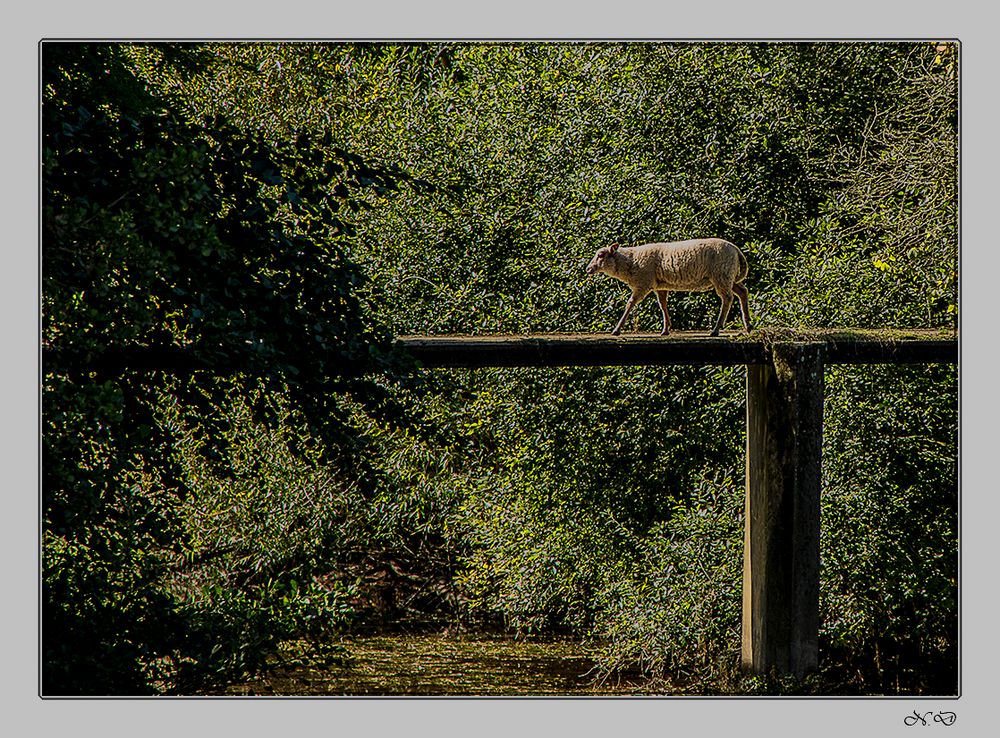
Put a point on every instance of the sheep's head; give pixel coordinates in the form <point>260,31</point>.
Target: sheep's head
<point>602,259</point>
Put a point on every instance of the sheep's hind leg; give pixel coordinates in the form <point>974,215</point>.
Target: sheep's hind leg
<point>727,302</point>
<point>743,294</point>
<point>661,297</point>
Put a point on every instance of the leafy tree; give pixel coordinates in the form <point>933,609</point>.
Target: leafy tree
<point>172,247</point>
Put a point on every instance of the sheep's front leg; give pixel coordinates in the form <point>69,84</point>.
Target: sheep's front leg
<point>661,297</point>
<point>637,295</point>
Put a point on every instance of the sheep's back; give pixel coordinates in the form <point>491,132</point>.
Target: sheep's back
<point>694,265</point>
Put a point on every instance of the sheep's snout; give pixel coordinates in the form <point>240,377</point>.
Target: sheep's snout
<point>595,265</point>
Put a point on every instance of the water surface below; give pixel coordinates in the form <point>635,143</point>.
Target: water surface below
<point>446,665</point>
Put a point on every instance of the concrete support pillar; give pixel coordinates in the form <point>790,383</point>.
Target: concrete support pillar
<point>781,539</point>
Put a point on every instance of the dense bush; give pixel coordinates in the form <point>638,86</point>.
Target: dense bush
<point>889,593</point>
<point>173,247</point>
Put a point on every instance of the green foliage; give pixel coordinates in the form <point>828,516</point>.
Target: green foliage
<point>161,234</point>
<point>571,490</point>
<point>290,206</point>
<point>805,154</point>
<point>676,615</point>
<point>890,529</point>
<point>264,524</point>
<point>103,608</point>
<point>173,246</point>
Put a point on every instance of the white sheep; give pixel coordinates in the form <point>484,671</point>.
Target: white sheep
<point>697,265</point>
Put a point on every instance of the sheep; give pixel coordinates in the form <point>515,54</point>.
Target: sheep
<point>697,265</point>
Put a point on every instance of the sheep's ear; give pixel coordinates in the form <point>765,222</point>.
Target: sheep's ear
<point>613,247</point>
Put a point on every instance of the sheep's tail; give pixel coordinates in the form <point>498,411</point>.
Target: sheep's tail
<point>744,267</point>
